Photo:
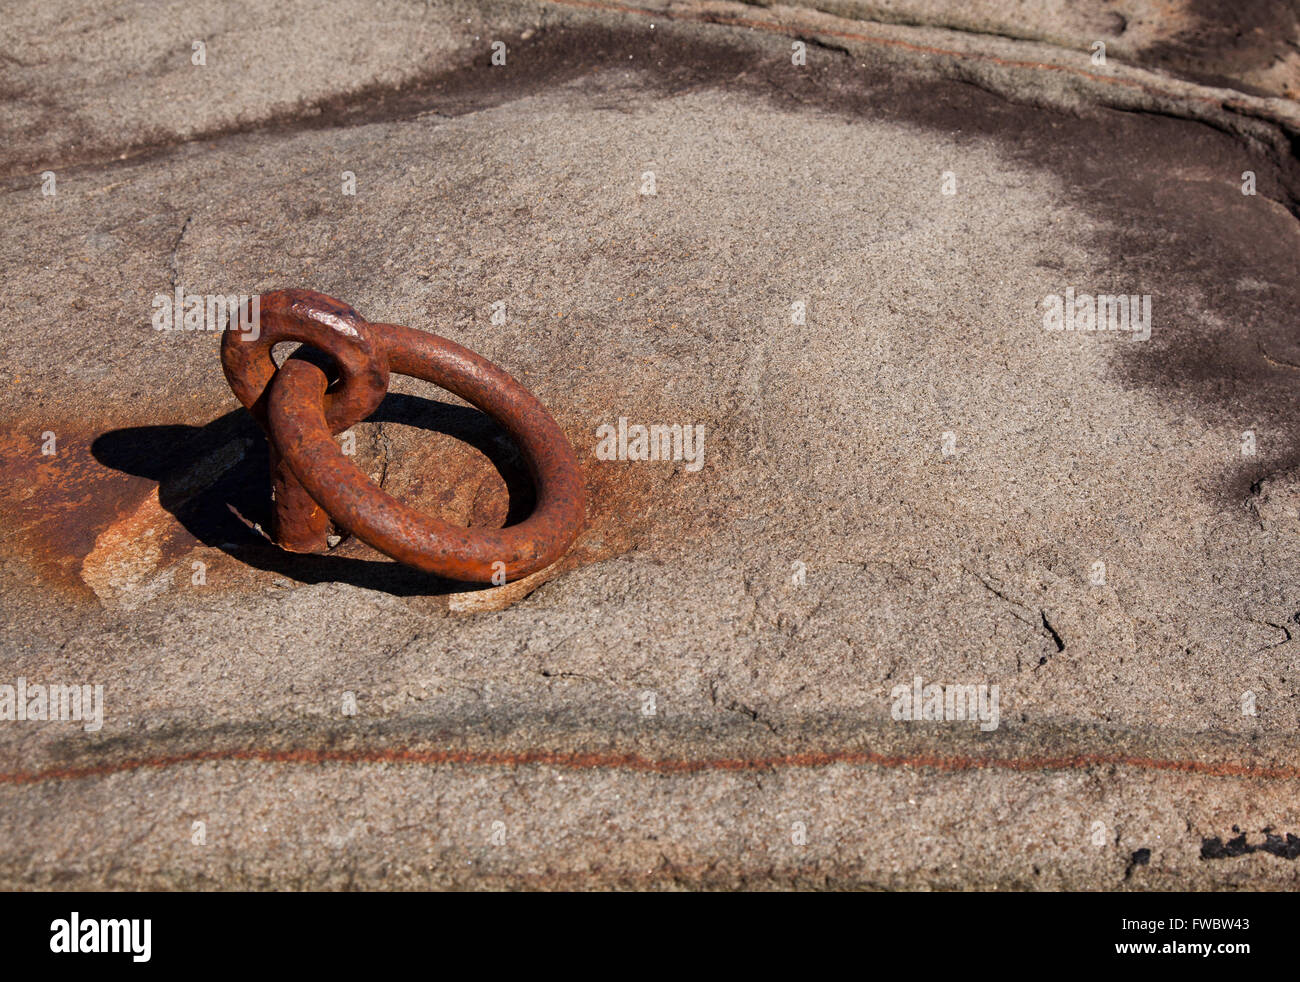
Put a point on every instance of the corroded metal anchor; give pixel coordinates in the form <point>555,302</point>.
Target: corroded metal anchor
<point>313,481</point>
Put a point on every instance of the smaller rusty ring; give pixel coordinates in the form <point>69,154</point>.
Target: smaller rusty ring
<point>322,323</point>
<point>298,428</point>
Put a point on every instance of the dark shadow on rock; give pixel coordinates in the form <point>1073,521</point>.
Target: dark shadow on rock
<point>1223,42</point>
<point>215,480</point>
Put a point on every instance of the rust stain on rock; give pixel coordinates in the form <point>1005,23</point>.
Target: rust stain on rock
<point>109,518</point>
<point>91,529</point>
<point>57,506</point>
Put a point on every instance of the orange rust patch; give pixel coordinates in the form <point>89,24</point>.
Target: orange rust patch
<point>56,507</point>
<point>97,531</point>
<point>90,528</point>
<point>130,556</point>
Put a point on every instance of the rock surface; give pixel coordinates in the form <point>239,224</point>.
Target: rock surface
<point>905,475</point>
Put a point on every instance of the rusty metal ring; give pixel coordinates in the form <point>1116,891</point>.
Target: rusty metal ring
<point>320,476</point>
<point>322,323</point>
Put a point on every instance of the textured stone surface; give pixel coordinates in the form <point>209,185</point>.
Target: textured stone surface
<point>1121,697</point>
<point>1250,45</point>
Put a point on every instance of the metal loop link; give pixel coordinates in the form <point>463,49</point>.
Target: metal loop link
<point>322,323</point>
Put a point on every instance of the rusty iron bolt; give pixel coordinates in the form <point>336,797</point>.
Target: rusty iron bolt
<point>314,482</point>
